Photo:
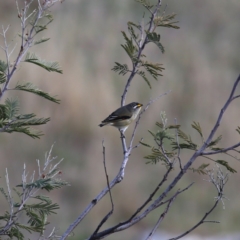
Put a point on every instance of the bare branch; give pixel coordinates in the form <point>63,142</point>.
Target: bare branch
<point>164,179</point>
<point>179,149</point>
<point>142,112</point>
<point>219,182</point>
<point>224,150</point>
<point>229,100</point>
<point>131,221</point>
<point>164,213</point>
<point>160,219</point>
<point>10,202</point>
<point>110,194</point>
<point>5,48</point>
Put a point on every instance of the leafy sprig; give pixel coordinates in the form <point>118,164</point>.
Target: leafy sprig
<point>12,121</point>
<point>29,87</point>
<point>49,66</point>
<point>34,20</point>
<point>165,134</point>
<point>137,38</point>
<point>30,202</point>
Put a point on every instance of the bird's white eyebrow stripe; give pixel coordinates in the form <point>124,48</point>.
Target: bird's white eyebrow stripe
<point>136,106</point>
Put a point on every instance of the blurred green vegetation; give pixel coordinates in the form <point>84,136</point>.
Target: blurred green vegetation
<point>201,62</point>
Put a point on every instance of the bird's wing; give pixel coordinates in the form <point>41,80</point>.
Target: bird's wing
<point>117,115</point>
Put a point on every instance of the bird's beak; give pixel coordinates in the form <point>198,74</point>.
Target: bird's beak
<point>139,105</point>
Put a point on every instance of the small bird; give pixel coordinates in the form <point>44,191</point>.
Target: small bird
<point>123,116</point>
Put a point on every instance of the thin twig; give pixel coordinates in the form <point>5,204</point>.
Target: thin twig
<point>136,146</point>
<point>222,150</point>
<point>10,199</point>
<point>164,153</point>
<point>234,157</point>
<point>161,218</point>
<point>149,199</point>
<point>142,112</point>
<point>219,183</point>
<point>179,149</point>
<point>149,237</point>
<point>110,195</point>
<point>4,31</point>
<point>131,221</point>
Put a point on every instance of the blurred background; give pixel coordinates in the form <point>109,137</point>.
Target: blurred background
<point>201,64</point>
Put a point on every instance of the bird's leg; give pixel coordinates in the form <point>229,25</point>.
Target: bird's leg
<point>122,135</point>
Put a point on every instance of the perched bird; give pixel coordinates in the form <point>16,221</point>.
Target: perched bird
<point>123,116</point>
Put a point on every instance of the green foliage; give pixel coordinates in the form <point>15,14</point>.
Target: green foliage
<point>135,41</point>
<point>215,142</point>
<point>155,38</point>
<point>146,3</point>
<point>198,128</point>
<point>37,217</point>
<point>42,40</point>
<point>12,121</point>
<point>47,18</point>
<point>29,87</point>
<point>187,141</point>
<point>122,69</point>
<point>4,194</point>
<point>130,47</point>
<point>36,214</point>
<point>38,208</point>
<point>201,169</point>
<point>166,21</point>
<point>226,165</point>
<point>47,184</point>
<point>34,19</point>
<point>43,208</point>
<point>14,232</point>
<point>26,200</point>
<point>12,108</point>
<point>179,140</point>
<point>49,66</point>
<point>238,130</point>
<point>3,69</point>
<point>153,69</point>
<point>143,75</point>
<point>162,137</point>
<point>158,155</point>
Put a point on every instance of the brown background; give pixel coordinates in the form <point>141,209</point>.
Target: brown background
<point>201,62</point>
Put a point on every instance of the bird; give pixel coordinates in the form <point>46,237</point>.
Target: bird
<point>122,117</point>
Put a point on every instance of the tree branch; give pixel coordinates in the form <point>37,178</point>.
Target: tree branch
<point>26,42</point>
<point>110,194</point>
<point>142,44</point>
<point>224,150</point>
<point>141,113</point>
<point>132,221</point>
<point>219,182</point>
